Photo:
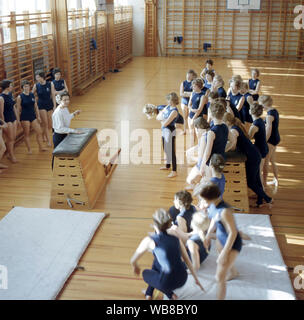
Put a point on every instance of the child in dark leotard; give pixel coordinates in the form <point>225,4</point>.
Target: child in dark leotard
<point>197,106</point>
<point>9,115</point>
<point>258,132</point>
<point>272,137</point>
<point>168,117</point>
<point>236,77</point>
<point>183,202</point>
<point>208,67</point>
<point>195,174</point>
<point>229,242</point>
<point>168,270</point>
<point>248,100</point>
<point>209,79</point>
<point>238,139</point>
<point>254,84</point>
<point>195,244</point>
<point>236,100</point>
<point>216,139</point>
<point>59,83</point>
<point>185,93</point>
<point>29,115</point>
<point>218,86</point>
<point>45,92</point>
<point>217,164</point>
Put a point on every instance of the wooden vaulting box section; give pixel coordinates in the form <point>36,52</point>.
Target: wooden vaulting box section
<point>77,174</point>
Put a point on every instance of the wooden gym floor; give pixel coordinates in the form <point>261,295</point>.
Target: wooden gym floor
<point>135,191</point>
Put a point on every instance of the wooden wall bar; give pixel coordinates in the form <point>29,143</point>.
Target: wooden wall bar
<point>86,62</point>
<point>27,45</point>
<point>151,34</point>
<point>43,40</point>
<point>266,34</point>
<point>123,28</point>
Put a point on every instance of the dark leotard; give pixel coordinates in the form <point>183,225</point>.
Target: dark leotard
<point>234,101</point>
<point>252,164</point>
<point>201,248</point>
<point>187,215</point>
<point>187,88</point>
<point>8,107</point>
<point>28,107</point>
<point>275,135</point>
<point>245,115</point>
<point>252,86</point>
<point>260,137</point>
<point>215,212</point>
<point>44,93</point>
<point>168,271</point>
<point>219,143</point>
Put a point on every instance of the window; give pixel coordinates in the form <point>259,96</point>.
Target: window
<point>20,5</point>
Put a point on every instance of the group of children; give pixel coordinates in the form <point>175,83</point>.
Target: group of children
<point>32,109</point>
<point>220,121</point>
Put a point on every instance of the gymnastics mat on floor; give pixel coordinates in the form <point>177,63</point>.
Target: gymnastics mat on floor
<point>40,248</point>
<point>263,274</point>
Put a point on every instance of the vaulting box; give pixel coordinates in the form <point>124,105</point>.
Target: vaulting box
<point>78,175</point>
<point>236,192</point>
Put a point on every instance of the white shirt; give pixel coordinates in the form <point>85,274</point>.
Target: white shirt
<point>61,120</point>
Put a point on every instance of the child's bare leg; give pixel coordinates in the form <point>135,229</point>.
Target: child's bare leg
<point>266,168</point>
<point>274,166</point>
<point>185,115</point>
<point>221,274</point>
<point>261,172</point>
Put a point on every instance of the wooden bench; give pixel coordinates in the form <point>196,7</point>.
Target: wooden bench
<point>236,191</point>
<point>80,90</point>
<point>122,62</point>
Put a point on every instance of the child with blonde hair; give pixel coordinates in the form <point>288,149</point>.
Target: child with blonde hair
<point>218,86</point>
<point>168,117</point>
<point>195,244</point>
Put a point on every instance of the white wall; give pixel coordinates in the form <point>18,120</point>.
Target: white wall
<point>138,27</point>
